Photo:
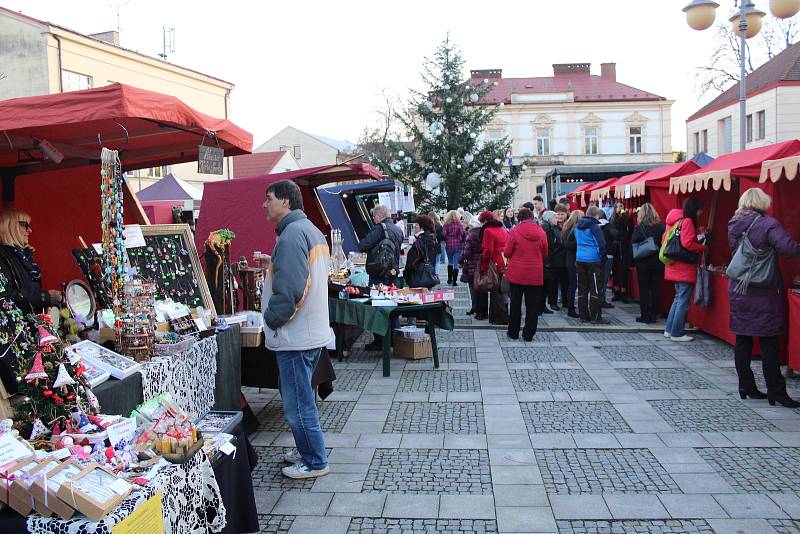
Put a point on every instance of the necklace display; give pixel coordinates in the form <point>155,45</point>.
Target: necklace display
<point>166,261</point>
<point>112,226</point>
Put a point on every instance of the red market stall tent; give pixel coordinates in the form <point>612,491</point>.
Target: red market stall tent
<point>236,205</point>
<point>50,158</point>
<point>720,184</point>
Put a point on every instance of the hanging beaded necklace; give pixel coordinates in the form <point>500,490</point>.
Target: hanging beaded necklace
<point>112,225</point>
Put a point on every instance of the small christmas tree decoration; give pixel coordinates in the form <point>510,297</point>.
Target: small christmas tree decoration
<point>38,430</point>
<point>37,370</point>
<point>46,338</point>
<point>63,379</point>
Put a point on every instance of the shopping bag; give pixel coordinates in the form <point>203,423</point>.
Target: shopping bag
<point>487,280</point>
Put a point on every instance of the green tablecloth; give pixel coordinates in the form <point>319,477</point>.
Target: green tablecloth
<point>379,320</point>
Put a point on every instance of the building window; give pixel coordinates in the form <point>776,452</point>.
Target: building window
<point>74,81</point>
<point>704,141</point>
<point>750,128</point>
<point>635,139</point>
<point>590,140</point>
<point>724,136</point>
<point>296,152</point>
<point>158,172</point>
<point>543,141</point>
<point>697,143</point>
<point>762,124</point>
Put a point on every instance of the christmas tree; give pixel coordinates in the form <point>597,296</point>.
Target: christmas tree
<point>50,383</point>
<point>447,158</point>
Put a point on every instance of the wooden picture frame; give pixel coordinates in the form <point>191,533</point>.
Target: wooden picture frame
<point>161,238</point>
<point>92,492</point>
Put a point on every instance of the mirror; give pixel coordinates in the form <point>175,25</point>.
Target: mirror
<point>80,300</point>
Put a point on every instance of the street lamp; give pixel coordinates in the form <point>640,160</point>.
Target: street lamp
<point>700,15</point>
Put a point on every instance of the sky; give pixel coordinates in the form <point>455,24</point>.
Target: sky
<point>321,66</point>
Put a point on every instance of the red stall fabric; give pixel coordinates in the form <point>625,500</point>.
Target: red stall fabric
<point>794,330</point>
<point>714,319</point>
<point>600,190</point>
<point>236,205</point>
<point>64,205</point>
<point>160,212</point>
<point>577,200</point>
<point>149,128</point>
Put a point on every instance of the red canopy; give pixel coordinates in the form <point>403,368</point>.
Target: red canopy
<point>601,189</point>
<point>149,129</point>
<point>236,205</point>
<point>743,164</point>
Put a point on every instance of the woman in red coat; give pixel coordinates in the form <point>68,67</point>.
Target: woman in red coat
<point>683,274</point>
<point>525,249</point>
<point>493,239</point>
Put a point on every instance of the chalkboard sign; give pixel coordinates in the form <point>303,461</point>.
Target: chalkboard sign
<point>170,259</point>
<point>209,159</point>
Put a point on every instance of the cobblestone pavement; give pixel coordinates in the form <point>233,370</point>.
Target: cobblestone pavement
<point>599,430</point>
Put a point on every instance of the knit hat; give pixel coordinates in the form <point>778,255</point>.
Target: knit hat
<point>486,216</point>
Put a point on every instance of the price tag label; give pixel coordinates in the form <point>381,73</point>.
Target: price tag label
<point>60,454</point>
<point>11,449</point>
<point>120,486</point>
<point>122,430</point>
<point>227,448</point>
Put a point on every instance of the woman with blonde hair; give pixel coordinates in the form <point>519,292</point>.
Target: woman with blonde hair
<point>649,269</point>
<point>759,311</point>
<point>454,235</point>
<point>20,276</point>
<point>568,236</point>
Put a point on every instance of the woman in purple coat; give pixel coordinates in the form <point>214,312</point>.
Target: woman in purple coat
<point>759,312</point>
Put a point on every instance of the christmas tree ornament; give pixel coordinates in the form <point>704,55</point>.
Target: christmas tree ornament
<point>37,370</point>
<point>448,100</point>
<point>473,135</point>
<point>474,98</point>
<point>433,180</point>
<point>512,185</point>
<point>47,393</point>
<point>401,154</point>
<point>458,166</point>
<point>46,338</point>
<point>63,379</point>
<point>469,158</point>
<point>38,430</point>
<point>429,105</point>
<point>497,161</point>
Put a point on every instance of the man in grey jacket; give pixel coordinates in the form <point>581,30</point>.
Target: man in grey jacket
<point>295,304</point>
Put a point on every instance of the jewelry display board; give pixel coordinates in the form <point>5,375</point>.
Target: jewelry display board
<point>91,265</point>
<point>170,259</point>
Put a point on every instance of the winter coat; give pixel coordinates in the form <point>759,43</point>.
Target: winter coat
<point>641,233</point>
<point>611,236</point>
<point>680,271</point>
<point>472,254</point>
<point>556,253</point>
<point>526,250</point>
<point>439,235</point>
<point>370,243</point>
<point>21,279</point>
<point>622,252</point>
<point>591,242</point>
<point>571,246</point>
<point>761,311</point>
<point>493,243</point>
<point>424,244</point>
<point>508,224</point>
<point>454,235</point>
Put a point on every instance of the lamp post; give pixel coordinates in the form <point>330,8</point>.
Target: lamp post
<point>700,15</point>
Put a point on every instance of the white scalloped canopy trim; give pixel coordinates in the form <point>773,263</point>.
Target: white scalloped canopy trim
<point>700,182</point>
<point>601,193</point>
<point>775,169</point>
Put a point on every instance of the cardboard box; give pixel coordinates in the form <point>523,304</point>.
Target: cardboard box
<point>94,492</point>
<point>21,488</point>
<point>252,336</point>
<point>48,495</point>
<point>440,295</point>
<point>10,474</point>
<point>411,349</point>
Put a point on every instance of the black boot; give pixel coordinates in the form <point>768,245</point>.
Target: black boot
<point>450,274</point>
<point>572,313</point>
<point>455,277</point>
<point>616,296</point>
<point>783,399</point>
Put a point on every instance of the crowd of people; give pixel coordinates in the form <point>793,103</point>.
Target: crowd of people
<point>551,257</point>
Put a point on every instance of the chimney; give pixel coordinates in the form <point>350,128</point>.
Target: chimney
<point>486,73</point>
<point>571,68</point>
<point>111,37</point>
<point>608,71</point>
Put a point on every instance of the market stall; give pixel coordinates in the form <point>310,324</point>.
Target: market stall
<point>167,194</point>
<point>719,184</point>
<point>68,463</point>
<point>577,200</point>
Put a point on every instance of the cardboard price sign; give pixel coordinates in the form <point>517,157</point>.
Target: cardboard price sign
<point>147,519</point>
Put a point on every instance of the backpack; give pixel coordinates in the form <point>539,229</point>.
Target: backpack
<point>384,261</point>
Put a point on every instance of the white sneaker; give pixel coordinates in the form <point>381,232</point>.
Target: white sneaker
<point>682,339</point>
<point>301,470</point>
<point>292,457</point>
<point>667,334</point>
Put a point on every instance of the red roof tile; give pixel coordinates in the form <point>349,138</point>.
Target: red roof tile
<point>256,164</point>
<point>785,67</point>
<point>585,87</point>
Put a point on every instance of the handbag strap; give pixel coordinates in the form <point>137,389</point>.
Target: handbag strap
<point>746,233</point>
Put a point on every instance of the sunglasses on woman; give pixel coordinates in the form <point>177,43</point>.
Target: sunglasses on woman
<point>25,225</point>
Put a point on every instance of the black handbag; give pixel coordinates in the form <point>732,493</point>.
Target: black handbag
<point>424,274</point>
<point>675,251</point>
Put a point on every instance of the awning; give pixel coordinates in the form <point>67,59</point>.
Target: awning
<point>774,170</point>
<point>600,171</point>
<point>601,190</point>
<point>149,129</point>
<point>637,183</point>
<point>745,164</point>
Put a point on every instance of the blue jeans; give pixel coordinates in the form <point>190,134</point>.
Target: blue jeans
<point>300,406</point>
<point>676,320</point>
<point>441,254</point>
<point>453,258</point>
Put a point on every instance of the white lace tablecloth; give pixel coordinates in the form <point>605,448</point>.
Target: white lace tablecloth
<point>189,376</point>
<point>188,491</point>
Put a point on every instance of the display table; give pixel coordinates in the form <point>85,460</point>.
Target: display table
<point>794,330</point>
<point>380,320</point>
<point>260,370</point>
<point>209,383</point>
